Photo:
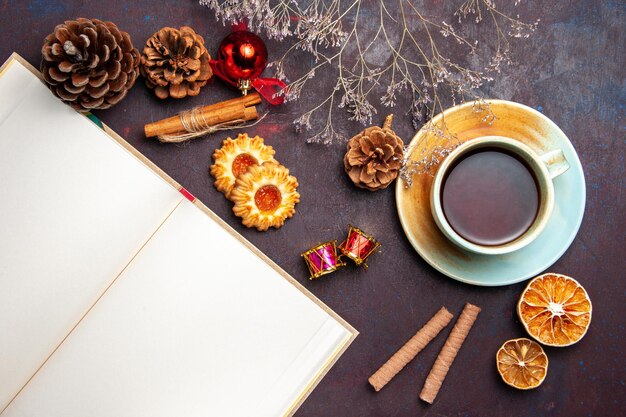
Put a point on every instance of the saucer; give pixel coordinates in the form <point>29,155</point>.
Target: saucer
<point>515,121</point>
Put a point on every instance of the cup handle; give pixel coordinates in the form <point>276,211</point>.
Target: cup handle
<point>555,162</point>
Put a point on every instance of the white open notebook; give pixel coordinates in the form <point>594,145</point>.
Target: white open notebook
<point>121,297</point>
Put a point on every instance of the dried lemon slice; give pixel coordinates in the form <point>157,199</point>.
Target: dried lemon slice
<point>234,158</point>
<point>555,310</point>
<point>522,363</point>
<point>265,196</point>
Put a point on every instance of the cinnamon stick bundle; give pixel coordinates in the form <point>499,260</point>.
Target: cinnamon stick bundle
<point>410,349</point>
<point>448,353</point>
<point>236,109</point>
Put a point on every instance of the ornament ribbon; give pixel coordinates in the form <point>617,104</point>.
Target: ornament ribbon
<point>269,88</point>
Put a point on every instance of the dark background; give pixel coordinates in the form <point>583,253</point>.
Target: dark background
<point>572,70</point>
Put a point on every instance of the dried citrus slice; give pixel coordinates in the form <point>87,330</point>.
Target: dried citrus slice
<point>522,363</point>
<point>555,310</point>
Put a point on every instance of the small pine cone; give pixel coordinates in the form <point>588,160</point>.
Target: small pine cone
<point>89,64</point>
<point>175,63</point>
<point>374,157</point>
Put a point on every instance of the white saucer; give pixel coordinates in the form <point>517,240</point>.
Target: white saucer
<point>518,122</point>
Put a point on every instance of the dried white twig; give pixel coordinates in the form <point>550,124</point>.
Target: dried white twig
<point>337,33</point>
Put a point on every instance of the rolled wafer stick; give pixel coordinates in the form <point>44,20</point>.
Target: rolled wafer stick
<point>448,352</point>
<point>410,349</point>
<point>213,114</point>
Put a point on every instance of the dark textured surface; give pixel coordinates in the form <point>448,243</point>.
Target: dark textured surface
<point>572,70</point>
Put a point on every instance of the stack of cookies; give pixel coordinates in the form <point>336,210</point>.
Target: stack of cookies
<point>246,172</point>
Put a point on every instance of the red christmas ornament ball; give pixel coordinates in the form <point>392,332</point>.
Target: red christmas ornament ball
<point>244,55</point>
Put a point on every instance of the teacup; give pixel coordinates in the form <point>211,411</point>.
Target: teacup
<point>494,195</point>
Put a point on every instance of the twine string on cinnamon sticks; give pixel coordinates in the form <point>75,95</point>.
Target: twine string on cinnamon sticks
<point>205,119</point>
<point>196,130</point>
<point>448,353</point>
<point>410,349</point>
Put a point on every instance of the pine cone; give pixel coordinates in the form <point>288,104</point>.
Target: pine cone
<point>89,64</point>
<point>175,63</point>
<point>374,157</point>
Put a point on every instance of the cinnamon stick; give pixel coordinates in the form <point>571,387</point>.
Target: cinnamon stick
<point>213,114</point>
<point>410,349</point>
<point>250,113</point>
<point>448,353</point>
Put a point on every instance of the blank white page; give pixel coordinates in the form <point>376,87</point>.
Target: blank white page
<point>197,326</point>
<point>75,206</point>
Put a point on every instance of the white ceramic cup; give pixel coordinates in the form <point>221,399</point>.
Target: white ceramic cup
<point>544,168</point>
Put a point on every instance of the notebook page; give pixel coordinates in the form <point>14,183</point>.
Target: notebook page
<point>14,86</point>
<point>197,326</point>
<point>74,208</point>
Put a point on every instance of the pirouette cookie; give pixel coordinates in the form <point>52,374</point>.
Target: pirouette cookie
<point>448,352</point>
<point>265,195</point>
<point>410,349</point>
<point>234,158</point>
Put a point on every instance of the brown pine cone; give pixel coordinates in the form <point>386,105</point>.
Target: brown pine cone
<point>89,64</point>
<point>374,157</point>
<point>175,63</point>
